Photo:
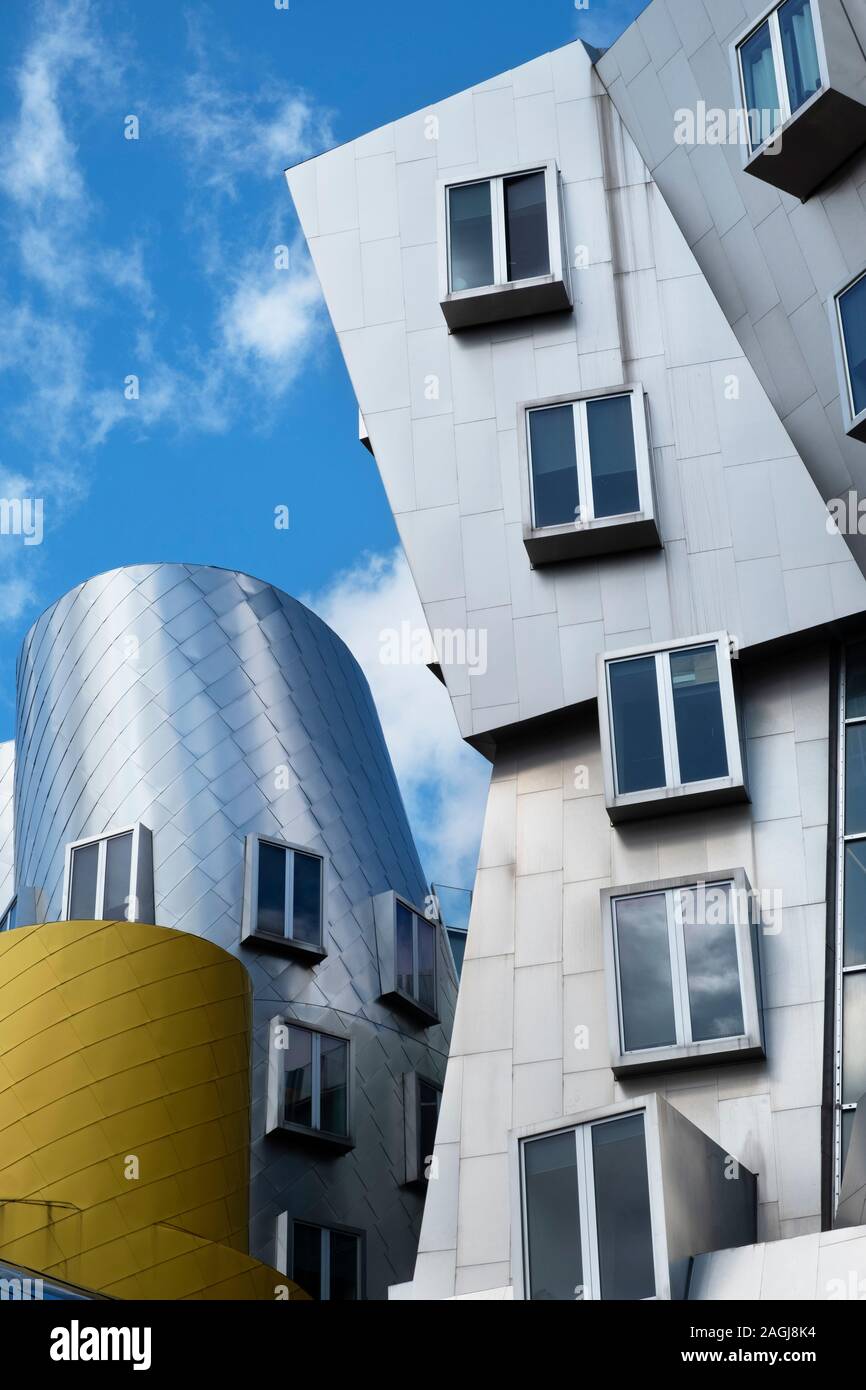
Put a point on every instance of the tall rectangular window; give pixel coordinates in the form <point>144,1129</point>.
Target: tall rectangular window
<point>312,1071</point>
<point>326,1263</point>
<point>637,728</point>
<point>851,304</point>
<point>286,897</point>
<point>851,934</point>
<point>471,236</point>
<point>583,459</point>
<point>700,726</point>
<point>498,231</point>
<point>415,956</point>
<point>779,68</point>
<point>110,879</point>
<point>526,242</point>
<point>587,1216</point>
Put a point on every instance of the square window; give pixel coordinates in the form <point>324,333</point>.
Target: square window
<point>501,247</point>
<point>849,314</point>
<point>683,976</point>
<point>669,728</point>
<point>326,1263</point>
<point>284,897</point>
<point>408,944</point>
<point>780,69</point>
<point>308,1087</point>
<point>110,879</point>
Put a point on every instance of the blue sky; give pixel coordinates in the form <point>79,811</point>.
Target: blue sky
<point>155,258</point>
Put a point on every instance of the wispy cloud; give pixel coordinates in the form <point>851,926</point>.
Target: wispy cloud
<point>443,781</point>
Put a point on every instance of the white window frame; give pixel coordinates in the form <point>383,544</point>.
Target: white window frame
<point>249,920</point>
<point>770,17</point>
<point>276,1120</point>
<point>499,229</point>
<point>673,789</point>
<point>854,421</point>
<point>141,840</point>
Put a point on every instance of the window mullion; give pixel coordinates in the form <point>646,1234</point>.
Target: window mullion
<point>497,209</point>
<point>667,719</point>
<point>102,857</point>
<point>682,1010</point>
<point>132,900</point>
<point>779,64</point>
<point>289,902</point>
<point>584,470</point>
<point>591,1273</point>
<point>316,1057</point>
<point>416,987</point>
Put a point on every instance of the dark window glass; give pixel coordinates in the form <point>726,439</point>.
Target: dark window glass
<point>307,1259</point>
<point>426,964</point>
<point>526,243</point>
<point>82,896</point>
<point>335,1089</point>
<point>553,1218</point>
<point>622,1210</point>
<point>429,1098</point>
<point>471,236</point>
<point>645,983</point>
<point>344,1267</point>
<point>299,1077</point>
<point>7,923</point>
<point>404,954</point>
<point>855,678</point>
<point>853,308</point>
<point>848,1117</point>
<point>855,903</point>
<point>715,1003</point>
<point>761,90</point>
<point>307,899</point>
<point>637,730</point>
<point>800,51</point>
<point>698,714</point>
<point>118,867</point>
<point>855,779</point>
<point>555,492</point>
<point>853,1037</point>
<point>271,917</point>
<point>457,940</point>
<point>611,456</point>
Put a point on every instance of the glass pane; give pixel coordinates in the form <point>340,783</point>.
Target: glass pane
<point>799,50</point>
<point>8,922</point>
<point>622,1211</point>
<point>307,1259</point>
<point>344,1267</point>
<point>271,916</point>
<point>335,1089</point>
<point>853,1038</point>
<point>853,308</point>
<point>118,867</point>
<point>428,1115</point>
<point>457,941</point>
<point>698,714</point>
<point>715,1002</point>
<point>553,1218</point>
<point>427,964</point>
<point>82,896</point>
<point>526,243</point>
<point>645,985</point>
<point>855,675</point>
<point>855,779</point>
<point>855,904</point>
<point>307,899</point>
<point>611,456</point>
<point>759,81</point>
<point>555,493</point>
<point>299,1078</point>
<point>403,963</point>
<point>637,730</point>
<point>471,236</point>
<point>848,1117</point>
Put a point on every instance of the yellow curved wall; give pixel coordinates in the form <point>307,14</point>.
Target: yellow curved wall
<point>124,1044</point>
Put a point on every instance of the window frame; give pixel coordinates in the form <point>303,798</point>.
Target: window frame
<point>674,793</point>
<point>854,422</point>
<point>275,1120</point>
<point>7,918</point>
<point>505,298</point>
<point>414,1158</point>
<point>284,1257</point>
<point>770,17</point>
<point>140,868</point>
<point>250,933</point>
<point>686,1052</point>
<point>385,921</point>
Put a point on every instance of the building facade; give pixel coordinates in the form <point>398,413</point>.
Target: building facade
<point>611,368</point>
<point>254,1076</point>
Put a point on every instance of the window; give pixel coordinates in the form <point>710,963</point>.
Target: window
<point>851,935</point>
<point>683,974</point>
<point>309,1082</point>
<point>501,233</point>
<point>850,312</point>
<point>588,1230</point>
<point>457,937</point>
<point>407,944</point>
<point>590,485</point>
<point>7,921</point>
<point>326,1263</point>
<point>111,879</point>
<point>669,725</point>
<point>422,1100</point>
<point>283,901</point>
<point>779,69</point>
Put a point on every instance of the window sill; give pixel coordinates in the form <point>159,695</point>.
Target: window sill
<point>812,144</point>
<point>608,535</point>
<point>315,1138</point>
<point>406,1004</point>
<point>492,303</point>
<point>286,946</point>
<point>715,1051</point>
<point>659,801</point>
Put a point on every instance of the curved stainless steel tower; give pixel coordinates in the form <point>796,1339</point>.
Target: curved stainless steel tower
<point>224,718</point>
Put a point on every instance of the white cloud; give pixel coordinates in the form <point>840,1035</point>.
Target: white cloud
<point>274,318</point>
<point>443,781</point>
